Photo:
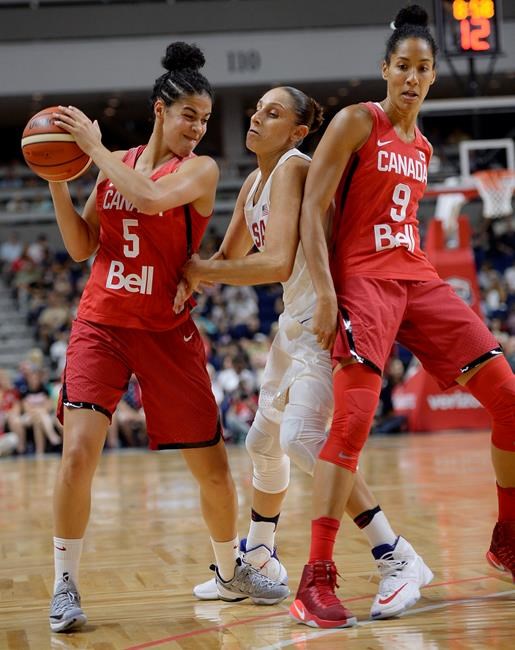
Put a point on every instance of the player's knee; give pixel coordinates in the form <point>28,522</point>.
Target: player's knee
<point>357,397</point>
<point>78,464</point>
<point>263,436</point>
<point>303,432</point>
<point>271,466</point>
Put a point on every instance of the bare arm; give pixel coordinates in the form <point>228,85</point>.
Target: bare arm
<point>275,262</point>
<point>347,131</point>
<point>80,233</point>
<point>237,241</point>
<point>191,184</point>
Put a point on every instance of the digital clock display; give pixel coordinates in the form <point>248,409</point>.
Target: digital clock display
<point>468,27</point>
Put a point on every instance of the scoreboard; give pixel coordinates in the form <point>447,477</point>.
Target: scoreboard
<point>469,27</point>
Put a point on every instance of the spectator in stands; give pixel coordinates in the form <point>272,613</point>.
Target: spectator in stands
<point>129,420</point>
<point>17,203</point>
<point>25,276</point>
<point>37,410</point>
<point>10,250</point>
<point>509,351</point>
<point>52,319</point>
<point>39,251</point>
<point>241,302</point>
<point>241,413</point>
<point>57,351</point>
<point>12,434</point>
<point>385,419</point>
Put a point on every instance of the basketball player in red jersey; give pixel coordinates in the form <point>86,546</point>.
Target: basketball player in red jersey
<point>145,217</point>
<point>296,396</point>
<point>376,286</point>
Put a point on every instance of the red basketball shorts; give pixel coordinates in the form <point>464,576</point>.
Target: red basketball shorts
<point>427,317</point>
<point>170,365</point>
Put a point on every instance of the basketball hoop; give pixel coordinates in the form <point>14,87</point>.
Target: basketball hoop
<point>495,186</point>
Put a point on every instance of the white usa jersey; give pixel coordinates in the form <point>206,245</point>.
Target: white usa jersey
<point>298,293</point>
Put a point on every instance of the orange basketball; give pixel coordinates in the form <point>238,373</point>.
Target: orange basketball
<point>50,151</point>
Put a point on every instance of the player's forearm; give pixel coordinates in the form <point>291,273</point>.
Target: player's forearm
<point>313,240</point>
<point>257,268</point>
<point>135,187</point>
<point>78,239</point>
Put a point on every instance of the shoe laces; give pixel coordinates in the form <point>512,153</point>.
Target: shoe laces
<point>248,575</point>
<point>390,570</point>
<point>389,566</point>
<point>66,597</point>
<point>324,578</point>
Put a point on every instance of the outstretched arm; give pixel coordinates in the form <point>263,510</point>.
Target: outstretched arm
<point>275,262</point>
<point>347,131</point>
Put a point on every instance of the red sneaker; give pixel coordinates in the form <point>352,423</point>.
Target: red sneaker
<point>316,603</point>
<point>502,547</point>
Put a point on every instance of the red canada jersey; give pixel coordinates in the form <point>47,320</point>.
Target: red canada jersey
<point>139,260</point>
<point>375,229</point>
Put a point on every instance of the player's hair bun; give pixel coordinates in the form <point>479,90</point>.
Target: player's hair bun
<point>181,56</point>
<point>411,15</point>
<point>318,116</point>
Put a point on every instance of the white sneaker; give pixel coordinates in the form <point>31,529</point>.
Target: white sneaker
<point>247,582</point>
<point>402,572</point>
<point>261,558</point>
<point>65,611</point>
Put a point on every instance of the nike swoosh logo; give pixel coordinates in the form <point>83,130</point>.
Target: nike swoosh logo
<point>299,610</point>
<point>344,456</point>
<point>188,338</point>
<point>61,548</point>
<point>73,405</point>
<point>385,601</point>
<point>382,143</point>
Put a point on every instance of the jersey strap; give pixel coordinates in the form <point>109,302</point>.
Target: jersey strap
<point>189,237</point>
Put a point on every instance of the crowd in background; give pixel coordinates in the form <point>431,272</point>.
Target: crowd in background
<point>237,325</point>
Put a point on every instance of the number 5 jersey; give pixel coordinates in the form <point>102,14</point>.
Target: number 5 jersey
<point>138,264</point>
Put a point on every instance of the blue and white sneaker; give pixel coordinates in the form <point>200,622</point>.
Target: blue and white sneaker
<point>248,582</point>
<point>65,611</point>
<point>260,557</point>
<point>402,572</point>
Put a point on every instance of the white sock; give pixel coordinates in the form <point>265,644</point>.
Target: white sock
<point>67,554</point>
<point>261,532</point>
<point>379,531</point>
<point>225,556</point>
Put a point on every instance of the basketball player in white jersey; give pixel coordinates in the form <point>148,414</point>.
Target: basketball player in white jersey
<point>296,398</point>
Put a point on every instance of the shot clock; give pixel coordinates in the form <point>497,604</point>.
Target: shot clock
<point>469,27</point>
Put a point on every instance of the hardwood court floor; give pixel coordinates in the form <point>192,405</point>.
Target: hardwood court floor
<point>146,547</point>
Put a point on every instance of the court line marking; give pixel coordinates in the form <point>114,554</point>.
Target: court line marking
<point>284,612</point>
<point>411,612</point>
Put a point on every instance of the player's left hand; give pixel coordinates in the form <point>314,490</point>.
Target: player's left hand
<point>184,291</point>
<point>189,283</point>
<point>86,133</point>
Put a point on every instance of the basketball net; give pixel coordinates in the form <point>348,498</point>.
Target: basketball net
<point>495,186</point>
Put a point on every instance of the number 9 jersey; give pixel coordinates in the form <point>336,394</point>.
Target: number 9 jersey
<point>375,228</point>
<point>140,257</point>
